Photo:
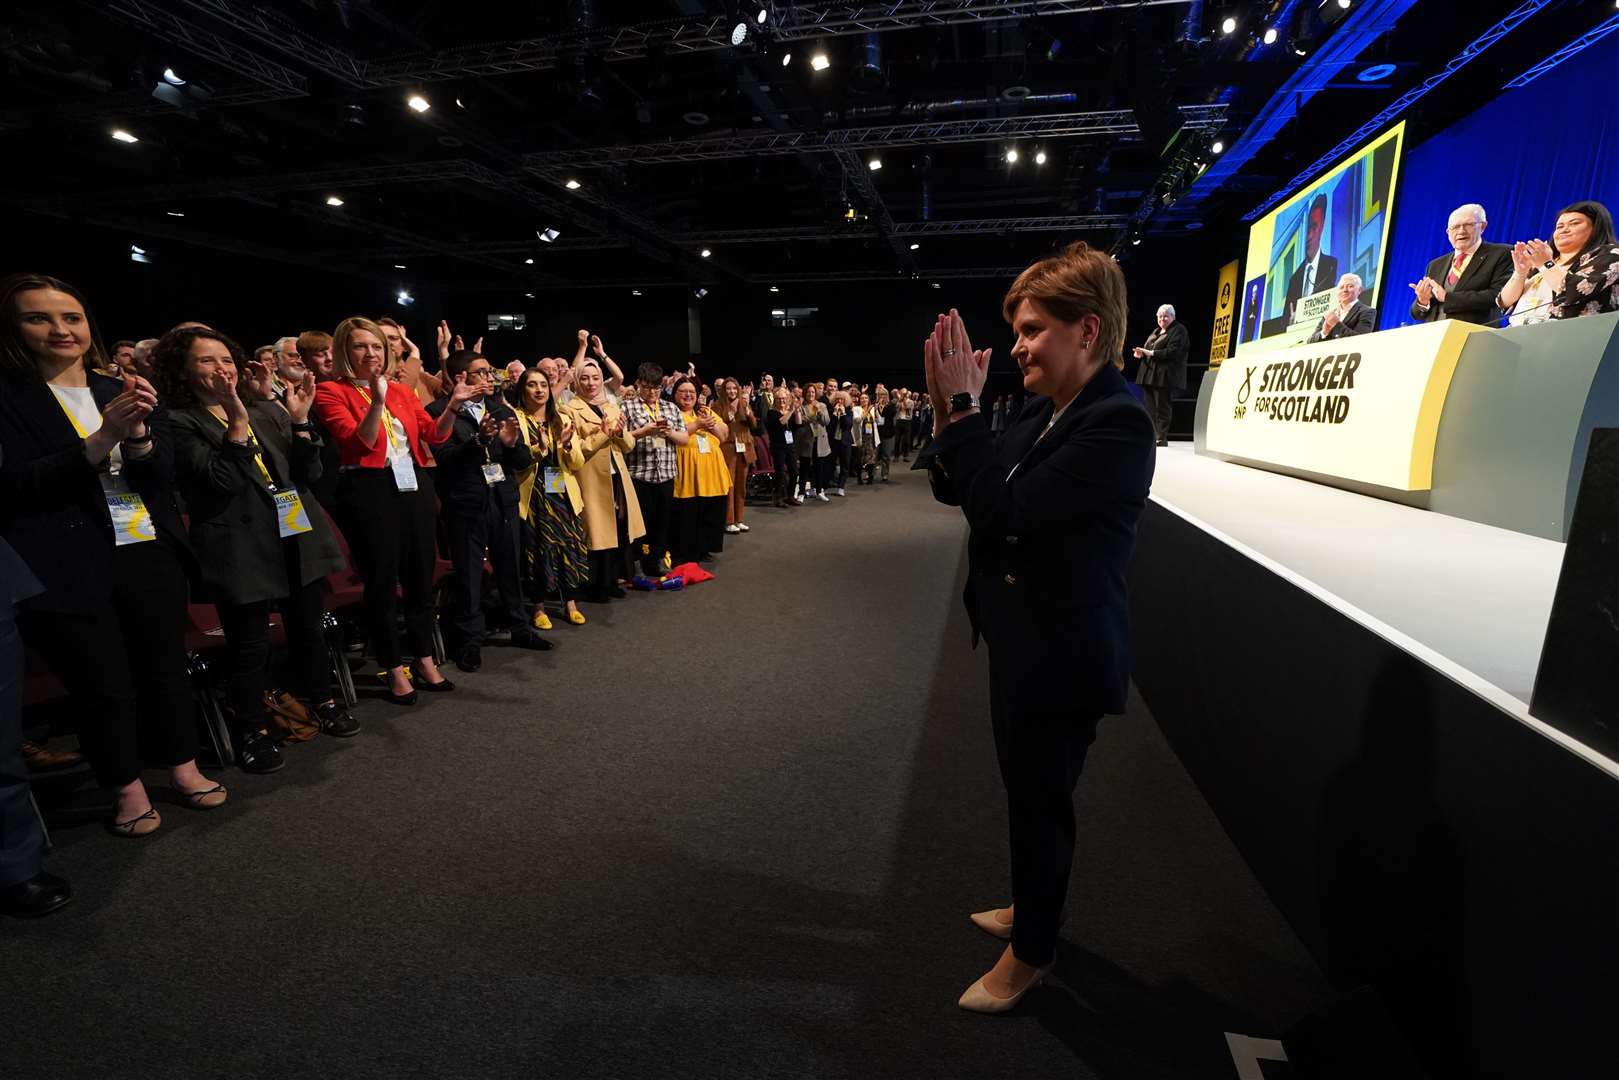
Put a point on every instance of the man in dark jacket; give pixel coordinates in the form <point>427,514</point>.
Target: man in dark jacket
<point>1463,283</point>
<point>1349,317</point>
<point>1163,369</point>
<point>477,485</point>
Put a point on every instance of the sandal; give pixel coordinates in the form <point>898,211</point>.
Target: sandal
<point>198,800</point>
<point>132,828</point>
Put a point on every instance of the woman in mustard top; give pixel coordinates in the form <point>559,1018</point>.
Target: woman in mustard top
<point>702,482</point>
<point>556,549</point>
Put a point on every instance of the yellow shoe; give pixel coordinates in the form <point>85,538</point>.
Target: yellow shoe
<point>668,563</point>
<point>541,620</point>
<point>577,618</point>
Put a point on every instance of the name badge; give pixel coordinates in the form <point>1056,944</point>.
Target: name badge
<point>658,442</point>
<point>131,521</point>
<point>702,444</point>
<point>493,473</point>
<point>404,472</point>
<point>740,448</point>
<point>290,516</point>
<point>879,421</point>
<point>789,437</point>
<point>553,481</point>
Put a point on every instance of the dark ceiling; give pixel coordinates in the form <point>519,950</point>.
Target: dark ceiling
<point>679,140</point>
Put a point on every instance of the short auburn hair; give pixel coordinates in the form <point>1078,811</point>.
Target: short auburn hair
<point>1078,281</point>
<point>313,341</point>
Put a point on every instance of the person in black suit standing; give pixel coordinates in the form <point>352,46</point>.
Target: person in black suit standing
<point>1463,285</point>
<point>1350,317</point>
<point>477,482</point>
<point>1318,268</point>
<point>1052,507</point>
<point>1163,369</point>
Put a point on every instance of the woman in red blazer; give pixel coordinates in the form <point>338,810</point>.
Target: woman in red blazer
<point>388,508</point>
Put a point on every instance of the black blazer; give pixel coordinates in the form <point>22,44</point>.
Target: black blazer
<point>52,507</point>
<point>459,480</point>
<point>1049,548</point>
<point>1326,276</point>
<point>1473,298</point>
<point>233,518</point>
<point>1168,367</point>
<point>1360,320</point>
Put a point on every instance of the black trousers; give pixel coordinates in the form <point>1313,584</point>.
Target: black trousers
<point>247,643</point>
<point>22,843</point>
<point>125,666</point>
<point>1157,400</point>
<point>698,527</point>
<point>391,536</point>
<point>786,470</point>
<point>657,504</point>
<point>840,463</point>
<point>1040,755</point>
<point>499,533</point>
<point>825,469</point>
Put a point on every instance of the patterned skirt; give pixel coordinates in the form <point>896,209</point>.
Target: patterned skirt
<point>556,551</point>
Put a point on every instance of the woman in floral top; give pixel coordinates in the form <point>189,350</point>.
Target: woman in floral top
<point>1586,283</point>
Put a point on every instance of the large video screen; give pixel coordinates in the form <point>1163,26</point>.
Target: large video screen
<point>1338,224</point>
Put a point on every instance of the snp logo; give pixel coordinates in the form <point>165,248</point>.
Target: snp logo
<point>1243,392</point>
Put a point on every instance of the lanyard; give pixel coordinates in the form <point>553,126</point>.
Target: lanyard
<point>388,422</point>
<point>258,457</point>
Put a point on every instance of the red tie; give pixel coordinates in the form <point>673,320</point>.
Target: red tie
<point>1455,270</point>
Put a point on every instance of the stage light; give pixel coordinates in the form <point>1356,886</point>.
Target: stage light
<point>1011,157</point>
<point>1344,4</point>
<point>819,62</point>
<point>705,253</point>
<point>874,164</point>
<point>399,266</point>
<point>1229,26</point>
<point>548,235</point>
<point>458,104</point>
<point>1218,147</point>
<point>529,295</point>
<point>528,261</point>
<point>177,213</point>
<point>171,77</point>
<point>739,33</point>
<point>1270,35</point>
<point>700,293</point>
<point>138,254</point>
<point>419,103</point>
<point>1299,50</point>
<point>635,292</point>
<point>405,299</point>
<point>1135,241</point>
<point>123,136</point>
<point>774,288</point>
<point>1376,72</point>
<point>935,284</point>
<point>786,58</point>
<point>778,311</point>
<point>1040,157</point>
<point>764,16</point>
<point>572,185</point>
<point>915,246</point>
<point>333,200</point>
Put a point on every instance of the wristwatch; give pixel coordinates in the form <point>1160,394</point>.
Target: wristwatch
<point>962,402</point>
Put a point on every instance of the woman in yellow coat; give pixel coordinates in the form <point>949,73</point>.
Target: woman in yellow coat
<point>702,481</point>
<point>556,550</point>
<point>612,514</point>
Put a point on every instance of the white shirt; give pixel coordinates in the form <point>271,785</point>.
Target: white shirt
<point>1311,274</point>
<point>79,403</point>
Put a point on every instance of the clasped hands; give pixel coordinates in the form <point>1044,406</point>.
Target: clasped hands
<point>953,366</point>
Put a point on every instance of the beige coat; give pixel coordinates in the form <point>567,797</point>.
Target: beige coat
<point>602,454</point>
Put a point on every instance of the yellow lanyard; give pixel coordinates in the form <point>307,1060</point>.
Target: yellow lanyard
<point>258,457</point>
<point>388,417</point>
<point>74,420</point>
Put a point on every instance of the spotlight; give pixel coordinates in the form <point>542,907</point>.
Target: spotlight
<point>123,136</point>
<point>774,288</point>
<point>699,293</point>
<point>1218,147</point>
<point>138,254</point>
<point>333,200</point>
<point>1299,50</point>
<point>1011,157</point>
<point>1040,157</point>
<point>1376,72</point>
<point>778,311</point>
<point>874,164</point>
<point>419,103</point>
<point>1135,241</point>
<point>915,246</point>
<point>786,58</point>
<point>739,33</point>
<point>548,235</point>
<point>705,253</point>
<point>529,295</point>
<point>572,185</point>
<point>458,104</point>
<point>935,284</point>
<point>1344,4</point>
<point>819,62</point>
<point>1270,35</point>
<point>405,299</point>
<point>173,79</point>
<point>1229,26</point>
<point>764,16</point>
<point>177,213</point>
<point>528,261</point>
<point>635,292</point>
<point>399,266</point>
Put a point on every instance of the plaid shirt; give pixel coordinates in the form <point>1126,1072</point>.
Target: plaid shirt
<point>652,461</point>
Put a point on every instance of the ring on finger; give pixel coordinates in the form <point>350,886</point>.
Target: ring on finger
<point>948,352</point>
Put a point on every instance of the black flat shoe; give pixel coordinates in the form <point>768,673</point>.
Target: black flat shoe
<point>531,640</point>
<point>401,699</point>
<point>471,658</point>
<point>443,686</point>
<point>39,895</point>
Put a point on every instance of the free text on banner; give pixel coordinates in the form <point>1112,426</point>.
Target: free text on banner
<point>1225,305</point>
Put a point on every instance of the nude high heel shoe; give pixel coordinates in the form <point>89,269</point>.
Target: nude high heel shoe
<point>990,923</point>
<point>978,999</point>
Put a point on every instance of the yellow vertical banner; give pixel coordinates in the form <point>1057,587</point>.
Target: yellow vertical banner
<point>1225,310</point>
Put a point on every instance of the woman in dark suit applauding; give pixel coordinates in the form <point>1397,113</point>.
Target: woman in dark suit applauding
<point>261,538</point>
<point>1052,508</point>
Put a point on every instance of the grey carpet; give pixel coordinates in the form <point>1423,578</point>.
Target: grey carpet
<point>732,832</point>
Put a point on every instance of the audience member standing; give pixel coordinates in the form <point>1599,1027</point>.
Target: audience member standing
<point>702,482</point>
<point>737,417</point>
<point>612,513</point>
<point>779,425</point>
<point>1463,285</point>
<point>656,426</point>
<point>556,549</point>
<point>1163,369</point>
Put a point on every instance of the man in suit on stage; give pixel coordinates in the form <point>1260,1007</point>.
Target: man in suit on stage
<point>1463,284</point>
<point>1317,268</point>
<point>1350,317</point>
